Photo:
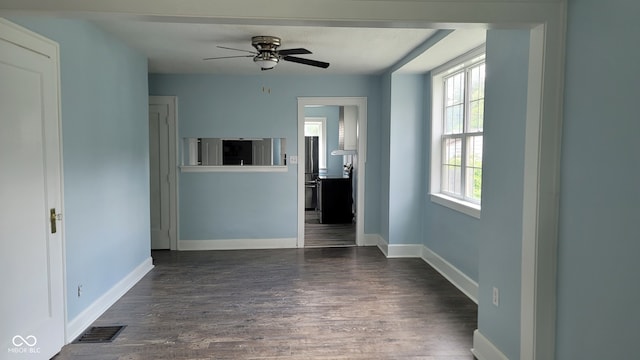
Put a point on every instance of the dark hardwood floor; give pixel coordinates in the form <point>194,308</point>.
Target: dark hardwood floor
<point>327,235</point>
<point>324,303</point>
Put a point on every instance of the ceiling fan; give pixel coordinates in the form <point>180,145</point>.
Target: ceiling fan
<point>267,54</point>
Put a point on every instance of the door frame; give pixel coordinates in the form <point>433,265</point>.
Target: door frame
<point>361,104</point>
<point>27,39</point>
<point>172,118</point>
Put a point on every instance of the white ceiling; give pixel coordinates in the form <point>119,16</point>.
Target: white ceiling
<point>181,47</point>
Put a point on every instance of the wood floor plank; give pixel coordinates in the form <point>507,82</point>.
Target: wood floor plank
<point>323,303</point>
<point>327,235</point>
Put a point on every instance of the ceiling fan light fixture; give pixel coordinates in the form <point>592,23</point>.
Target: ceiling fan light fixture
<point>266,60</point>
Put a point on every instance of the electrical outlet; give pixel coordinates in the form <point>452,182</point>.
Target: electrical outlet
<point>293,159</point>
<point>496,297</point>
<point>79,290</point>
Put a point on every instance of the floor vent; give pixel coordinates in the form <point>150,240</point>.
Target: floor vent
<point>100,334</point>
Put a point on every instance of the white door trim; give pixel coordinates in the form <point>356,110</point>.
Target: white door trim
<point>172,105</point>
<point>361,104</point>
<point>541,188</point>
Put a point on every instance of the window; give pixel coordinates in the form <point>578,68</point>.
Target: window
<point>457,133</point>
<point>316,126</point>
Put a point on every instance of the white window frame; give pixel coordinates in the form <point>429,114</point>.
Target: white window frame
<point>437,102</point>
<point>322,140</point>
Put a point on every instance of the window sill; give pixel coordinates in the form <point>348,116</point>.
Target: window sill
<point>462,206</point>
<point>232,168</point>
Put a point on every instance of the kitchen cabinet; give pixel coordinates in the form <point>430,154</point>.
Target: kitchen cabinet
<point>334,201</point>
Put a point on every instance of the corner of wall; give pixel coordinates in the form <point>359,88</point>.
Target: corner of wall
<point>90,314</point>
<point>454,275</point>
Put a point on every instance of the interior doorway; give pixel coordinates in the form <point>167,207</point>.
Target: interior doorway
<point>338,221</point>
<point>329,214</point>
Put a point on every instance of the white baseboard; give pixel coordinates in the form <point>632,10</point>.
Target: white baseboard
<point>395,250</point>
<point>464,283</point>
<point>404,250</point>
<point>238,244</point>
<point>483,349</point>
<point>467,285</point>
<point>81,322</point>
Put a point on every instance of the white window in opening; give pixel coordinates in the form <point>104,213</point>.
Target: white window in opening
<point>318,127</point>
<point>457,133</point>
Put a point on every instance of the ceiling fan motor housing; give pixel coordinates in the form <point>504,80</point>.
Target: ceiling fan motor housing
<point>267,58</point>
<point>265,43</point>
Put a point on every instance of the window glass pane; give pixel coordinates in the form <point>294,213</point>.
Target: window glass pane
<point>476,95</point>
<point>474,151</point>
<point>476,115</point>
<point>477,82</point>
<point>453,119</point>
<point>448,101</point>
<point>454,89</point>
<point>473,171</point>
<point>473,183</point>
<point>448,120</point>
<point>474,90</point>
<point>458,113</point>
<point>448,91</point>
<point>455,183</point>
<point>450,182</point>
<point>452,151</point>
<point>481,80</point>
<point>444,179</point>
<point>457,171</point>
<point>459,88</point>
<point>312,129</point>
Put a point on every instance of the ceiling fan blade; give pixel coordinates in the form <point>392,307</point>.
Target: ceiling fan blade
<point>297,51</point>
<point>298,60</point>
<point>228,57</point>
<point>228,48</point>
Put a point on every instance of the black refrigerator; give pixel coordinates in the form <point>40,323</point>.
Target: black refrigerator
<point>310,172</point>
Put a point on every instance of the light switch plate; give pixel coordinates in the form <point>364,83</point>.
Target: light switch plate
<point>293,159</point>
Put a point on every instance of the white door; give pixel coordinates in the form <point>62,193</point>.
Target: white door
<point>32,302</point>
<point>162,173</point>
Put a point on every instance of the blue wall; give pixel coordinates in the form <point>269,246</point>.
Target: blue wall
<point>106,157</point>
<point>332,114</point>
<point>406,173</point>
<point>599,241</point>
<point>385,149</point>
<point>500,236</point>
<point>255,205</point>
